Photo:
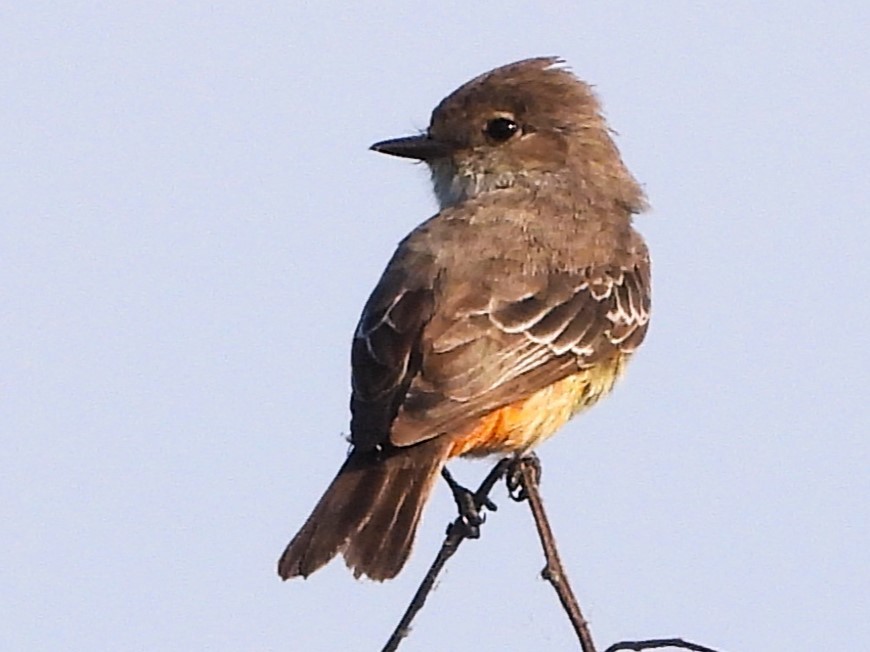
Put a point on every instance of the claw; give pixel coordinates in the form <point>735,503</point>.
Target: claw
<point>470,506</point>
<point>514,476</point>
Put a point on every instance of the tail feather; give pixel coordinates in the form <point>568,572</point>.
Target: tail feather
<point>382,546</point>
<point>369,513</point>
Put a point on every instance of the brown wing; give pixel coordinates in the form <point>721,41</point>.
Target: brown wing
<point>427,361</point>
<point>487,352</point>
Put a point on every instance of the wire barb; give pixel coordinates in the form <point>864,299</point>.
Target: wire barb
<point>522,477</point>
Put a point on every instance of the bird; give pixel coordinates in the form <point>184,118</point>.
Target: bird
<point>515,307</point>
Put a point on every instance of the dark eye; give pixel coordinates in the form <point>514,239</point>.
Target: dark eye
<point>501,129</point>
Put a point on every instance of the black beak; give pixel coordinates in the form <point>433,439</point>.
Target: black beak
<point>422,147</point>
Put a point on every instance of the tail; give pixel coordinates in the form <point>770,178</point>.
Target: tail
<point>369,513</point>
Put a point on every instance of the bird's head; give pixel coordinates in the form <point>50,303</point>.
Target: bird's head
<point>530,124</point>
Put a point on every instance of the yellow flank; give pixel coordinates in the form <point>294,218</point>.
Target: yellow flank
<point>520,426</point>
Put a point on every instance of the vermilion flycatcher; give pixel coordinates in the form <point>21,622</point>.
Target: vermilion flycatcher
<point>498,319</point>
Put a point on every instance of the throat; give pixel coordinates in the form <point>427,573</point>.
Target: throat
<point>453,186</point>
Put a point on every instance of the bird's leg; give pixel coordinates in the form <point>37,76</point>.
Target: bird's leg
<point>514,476</point>
<point>470,505</point>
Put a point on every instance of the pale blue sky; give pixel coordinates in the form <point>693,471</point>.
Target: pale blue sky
<point>190,222</point>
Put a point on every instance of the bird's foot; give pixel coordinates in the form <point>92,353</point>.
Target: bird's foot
<point>514,476</point>
<point>470,506</point>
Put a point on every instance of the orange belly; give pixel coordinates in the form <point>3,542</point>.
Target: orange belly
<point>518,427</point>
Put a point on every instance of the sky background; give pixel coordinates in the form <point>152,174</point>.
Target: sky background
<point>190,223</point>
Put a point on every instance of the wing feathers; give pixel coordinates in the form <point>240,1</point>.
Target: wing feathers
<point>422,364</point>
